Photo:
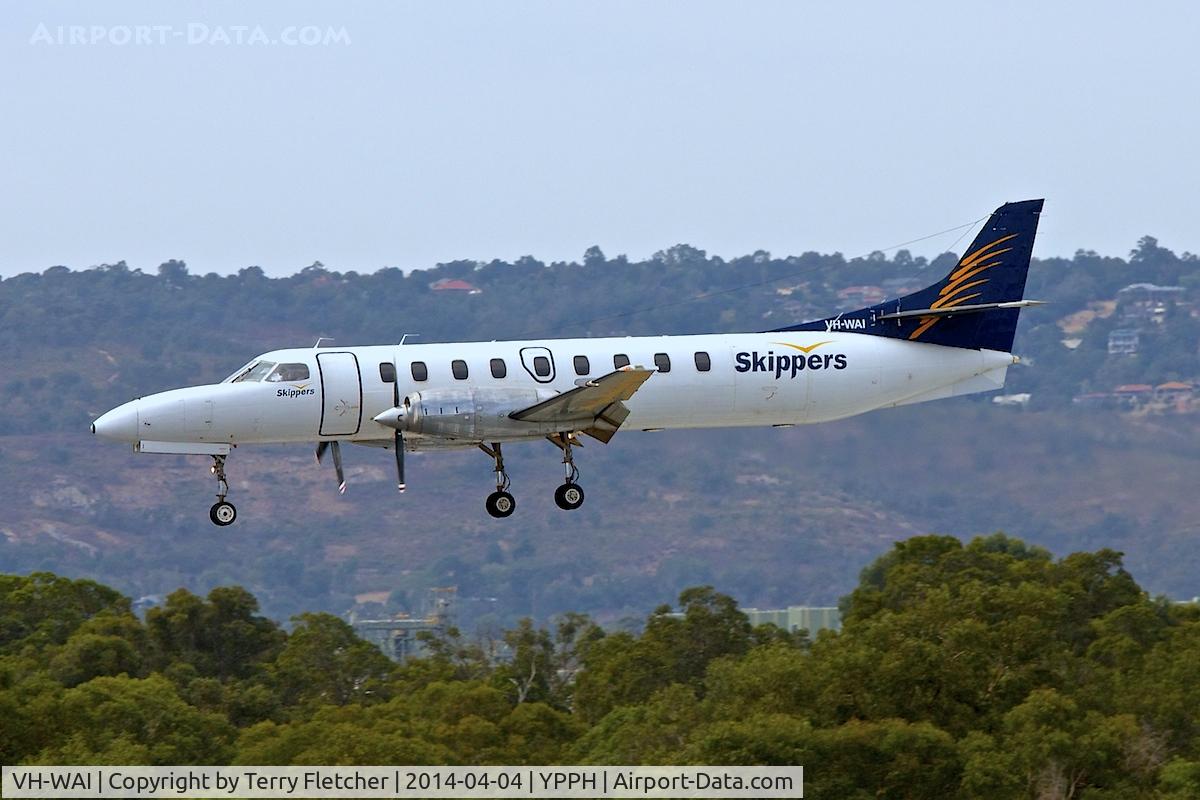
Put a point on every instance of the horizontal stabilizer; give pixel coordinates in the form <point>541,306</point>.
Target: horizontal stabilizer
<point>971,309</point>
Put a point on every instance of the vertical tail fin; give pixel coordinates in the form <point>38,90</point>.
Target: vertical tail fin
<point>976,306</point>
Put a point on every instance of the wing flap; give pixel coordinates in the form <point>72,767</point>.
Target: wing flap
<point>605,426</point>
<point>595,402</point>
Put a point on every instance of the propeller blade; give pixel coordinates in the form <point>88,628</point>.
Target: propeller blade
<point>321,448</point>
<point>398,442</point>
<point>400,460</point>
<point>337,465</point>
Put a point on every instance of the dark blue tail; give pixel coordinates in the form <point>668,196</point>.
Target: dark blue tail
<point>991,272</point>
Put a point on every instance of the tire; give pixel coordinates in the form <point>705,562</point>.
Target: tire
<point>569,496</point>
<point>222,514</point>
<point>500,504</point>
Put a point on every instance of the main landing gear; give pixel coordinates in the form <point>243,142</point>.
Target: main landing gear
<point>222,513</point>
<point>499,503</point>
<point>568,497</point>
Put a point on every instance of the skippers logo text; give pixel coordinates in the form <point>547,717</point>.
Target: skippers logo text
<point>780,364</point>
<point>296,390</point>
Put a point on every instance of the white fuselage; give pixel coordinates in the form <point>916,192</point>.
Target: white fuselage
<point>752,379</point>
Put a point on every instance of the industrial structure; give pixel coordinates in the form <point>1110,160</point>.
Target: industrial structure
<point>399,636</point>
<point>795,618</point>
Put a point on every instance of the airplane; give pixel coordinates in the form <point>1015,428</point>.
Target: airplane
<point>952,338</point>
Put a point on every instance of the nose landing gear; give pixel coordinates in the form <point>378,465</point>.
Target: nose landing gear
<point>222,513</point>
<point>499,503</point>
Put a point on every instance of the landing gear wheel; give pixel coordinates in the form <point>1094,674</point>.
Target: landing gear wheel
<point>500,504</point>
<point>569,496</point>
<point>222,514</point>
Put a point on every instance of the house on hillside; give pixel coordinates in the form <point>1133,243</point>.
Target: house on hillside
<point>1123,342</point>
<point>1020,400</point>
<point>455,285</point>
<point>1177,396</point>
<point>1173,390</point>
<point>1146,303</point>
<point>898,287</point>
<point>788,291</point>
<point>858,296</point>
<point>1146,292</point>
<point>1132,395</point>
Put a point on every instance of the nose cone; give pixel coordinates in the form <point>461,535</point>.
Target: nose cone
<point>119,425</point>
<point>393,418</point>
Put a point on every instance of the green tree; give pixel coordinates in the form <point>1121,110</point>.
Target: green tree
<point>106,644</point>
<point>43,609</point>
<point>674,648</point>
<point>1049,747</point>
<point>775,678</point>
<point>620,669</point>
<point>757,739</point>
<point>527,675</point>
<point>324,661</point>
<point>1180,780</point>
<point>535,733</point>
<point>651,732</point>
<point>222,636</point>
<point>341,735</point>
<point>111,720</point>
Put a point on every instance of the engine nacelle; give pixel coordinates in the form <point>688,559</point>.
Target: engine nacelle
<point>473,414</point>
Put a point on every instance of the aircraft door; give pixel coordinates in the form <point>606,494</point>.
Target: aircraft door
<point>539,363</point>
<point>341,394</point>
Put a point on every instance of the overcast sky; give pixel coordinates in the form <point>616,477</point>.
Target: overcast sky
<point>413,133</point>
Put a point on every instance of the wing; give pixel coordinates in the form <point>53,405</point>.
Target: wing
<point>595,407</point>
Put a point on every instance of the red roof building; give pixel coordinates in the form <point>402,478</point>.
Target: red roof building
<point>454,285</point>
<point>1173,389</point>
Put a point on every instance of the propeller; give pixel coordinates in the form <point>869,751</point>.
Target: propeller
<point>398,441</point>
<point>337,461</point>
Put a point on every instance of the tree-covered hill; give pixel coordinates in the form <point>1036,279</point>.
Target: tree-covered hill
<point>987,670</point>
<point>776,517</point>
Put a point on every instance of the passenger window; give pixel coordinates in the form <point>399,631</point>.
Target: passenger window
<point>288,373</point>
<point>582,366</point>
<point>620,360</point>
<point>541,366</point>
<point>419,371</point>
<point>459,369</point>
<point>663,362</point>
<point>499,368</point>
<point>703,362</point>
<point>387,372</point>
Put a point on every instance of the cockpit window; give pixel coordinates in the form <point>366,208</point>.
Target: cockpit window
<point>288,373</point>
<point>233,376</point>
<point>256,373</point>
